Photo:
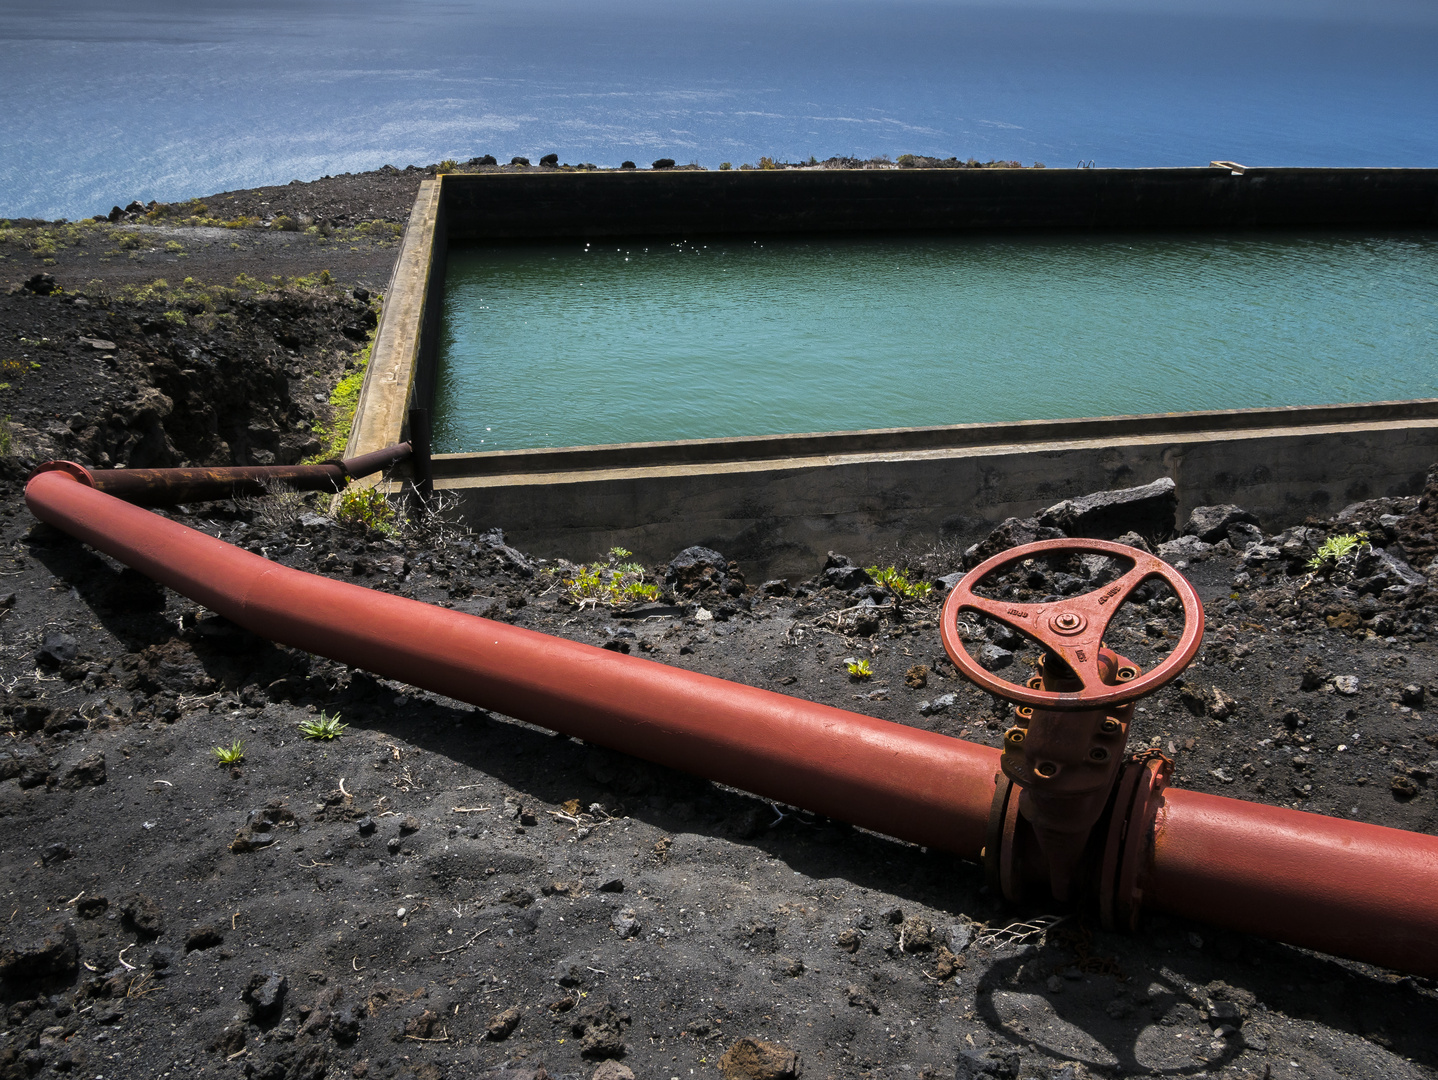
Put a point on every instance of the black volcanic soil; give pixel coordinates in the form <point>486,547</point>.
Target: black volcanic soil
<point>444,892</point>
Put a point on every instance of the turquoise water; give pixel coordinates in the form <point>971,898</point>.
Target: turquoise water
<point>575,345</point>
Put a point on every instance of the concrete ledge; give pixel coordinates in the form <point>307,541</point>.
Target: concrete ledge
<point>781,514</point>
<point>660,458</point>
<point>402,339</point>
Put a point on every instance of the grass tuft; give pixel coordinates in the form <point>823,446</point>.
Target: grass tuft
<point>230,755</point>
<point>324,727</point>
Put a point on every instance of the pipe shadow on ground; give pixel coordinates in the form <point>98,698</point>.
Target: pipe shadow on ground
<point>1153,1022</point>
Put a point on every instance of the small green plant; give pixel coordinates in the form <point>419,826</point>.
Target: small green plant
<point>859,670</point>
<point>324,727</point>
<point>230,755</point>
<point>447,165</point>
<point>7,437</point>
<point>613,584</point>
<point>174,246</point>
<point>175,318</point>
<point>1335,547</point>
<point>344,400</point>
<point>890,577</point>
<point>365,506</point>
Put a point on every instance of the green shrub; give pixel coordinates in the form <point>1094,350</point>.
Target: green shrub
<point>1335,547</point>
<point>891,578</point>
<point>859,670</point>
<point>612,583</point>
<point>365,506</point>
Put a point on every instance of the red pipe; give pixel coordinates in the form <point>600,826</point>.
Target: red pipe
<point>898,780</point>
<point>1352,889</point>
<point>1342,887</point>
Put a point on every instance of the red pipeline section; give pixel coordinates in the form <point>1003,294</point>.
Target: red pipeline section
<point>1343,887</point>
<point>894,779</point>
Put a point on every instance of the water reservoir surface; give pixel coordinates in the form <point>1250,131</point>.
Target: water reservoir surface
<point>581,344</point>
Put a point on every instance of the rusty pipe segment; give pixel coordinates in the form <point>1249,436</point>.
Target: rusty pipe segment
<point>898,780</point>
<point>1361,891</point>
<point>170,487</point>
<point>1341,887</point>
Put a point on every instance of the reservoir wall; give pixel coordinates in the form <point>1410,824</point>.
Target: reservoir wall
<point>780,502</point>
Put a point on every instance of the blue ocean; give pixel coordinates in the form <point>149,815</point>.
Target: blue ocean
<point>104,102</point>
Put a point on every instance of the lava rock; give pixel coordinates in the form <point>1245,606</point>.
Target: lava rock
<point>695,569</point>
<point>1183,547</point>
<point>859,999</point>
<point>55,853</point>
<point>1011,532</point>
<point>939,704</point>
<point>916,935</point>
<point>265,995</point>
<point>501,1025</point>
<point>143,915</point>
<point>599,1026</point>
<point>753,1059</point>
<point>999,1064</point>
<point>994,658</point>
<point>39,952</point>
<point>89,771</point>
<point>626,924</point>
<point>845,578</point>
<point>1134,540</point>
<point>345,1026</point>
<point>1149,510</point>
<point>204,937</point>
<point>1243,535</point>
<point>1210,524</point>
<point>56,648</point>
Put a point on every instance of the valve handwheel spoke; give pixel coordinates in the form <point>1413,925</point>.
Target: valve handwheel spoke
<point>1073,627</point>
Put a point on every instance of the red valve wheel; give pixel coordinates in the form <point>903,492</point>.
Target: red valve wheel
<point>1073,627</point>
